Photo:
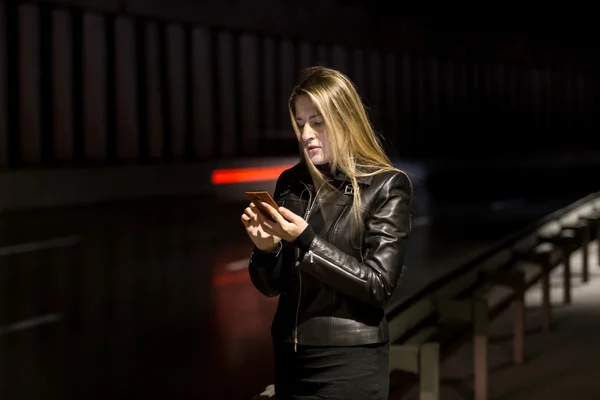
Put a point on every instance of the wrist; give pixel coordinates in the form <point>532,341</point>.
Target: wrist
<point>271,249</point>
<point>304,240</point>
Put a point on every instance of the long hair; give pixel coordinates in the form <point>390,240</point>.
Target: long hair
<point>355,150</point>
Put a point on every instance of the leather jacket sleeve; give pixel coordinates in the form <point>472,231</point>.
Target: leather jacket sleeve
<point>265,271</point>
<point>265,267</point>
<point>374,278</point>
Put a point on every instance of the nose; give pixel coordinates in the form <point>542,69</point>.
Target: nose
<point>307,133</point>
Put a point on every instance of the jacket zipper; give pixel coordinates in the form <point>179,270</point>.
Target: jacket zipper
<point>306,214</point>
<point>311,256</point>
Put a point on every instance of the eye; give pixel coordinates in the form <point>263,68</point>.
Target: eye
<point>318,123</point>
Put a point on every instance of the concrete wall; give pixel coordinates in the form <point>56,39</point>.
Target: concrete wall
<point>95,123</point>
<point>39,188</point>
<point>508,35</point>
<point>319,20</point>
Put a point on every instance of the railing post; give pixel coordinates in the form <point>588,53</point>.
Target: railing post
<point>598,235</point>
<point>5,264</point>
<point>593,225</point>
<point>565,241</point>
<point>581,230</point>
<point>429,372</point>
<point>567,245</point>
<point>546,302</point>
<point>476,311</point>
<point>515,280</point>
<point>480,333</point>
<point>519,325</point>
<point>598,238</point>
<point>542,255</point>
<point>585,253</point>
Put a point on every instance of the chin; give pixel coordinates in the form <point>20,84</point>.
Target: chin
<point>318,160</point>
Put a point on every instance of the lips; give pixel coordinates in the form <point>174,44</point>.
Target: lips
<point>309,148</point>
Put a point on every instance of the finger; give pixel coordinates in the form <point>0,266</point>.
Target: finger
<point>263,219</point>
<point>287,214</point>
<point>268,225</point>
<point>245,220</point>
<point>256,210</point>
<point>267,207</point>
<point>275,214</point>
<point>248,211</point>
<point>264,213</point>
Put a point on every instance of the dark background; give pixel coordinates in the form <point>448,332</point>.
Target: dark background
<point>122,272</point>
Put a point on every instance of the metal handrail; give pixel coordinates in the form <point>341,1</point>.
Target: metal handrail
<point>494,249</point>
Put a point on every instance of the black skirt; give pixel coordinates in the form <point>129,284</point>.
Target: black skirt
<point>350,372</point>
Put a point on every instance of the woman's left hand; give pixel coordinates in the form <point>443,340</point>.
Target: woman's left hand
<point>288,225</point>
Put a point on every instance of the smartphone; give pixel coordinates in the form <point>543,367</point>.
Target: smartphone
<point>258,197</point>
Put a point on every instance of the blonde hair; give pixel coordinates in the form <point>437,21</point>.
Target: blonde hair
<point>355,150</point>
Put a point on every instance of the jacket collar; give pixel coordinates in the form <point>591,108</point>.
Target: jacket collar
<point>337,176</point>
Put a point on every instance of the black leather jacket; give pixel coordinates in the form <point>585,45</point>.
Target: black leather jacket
<point>332,291</point>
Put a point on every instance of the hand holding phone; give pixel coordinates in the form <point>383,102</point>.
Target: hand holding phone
<point>262,240</point>
<point>287,226</point>
<point>258,197</point>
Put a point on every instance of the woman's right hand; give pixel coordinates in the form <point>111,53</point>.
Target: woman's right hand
<point>252,219</point>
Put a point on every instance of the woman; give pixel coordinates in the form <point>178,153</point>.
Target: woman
<point>335,253</point>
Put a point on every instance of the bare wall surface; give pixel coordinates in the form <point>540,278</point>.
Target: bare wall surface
<point>30,189</point>
<point>39,188</point>
<point>326,20</point>
<point>86,90</point>
<point>323,21</point>
<point>560,36</point>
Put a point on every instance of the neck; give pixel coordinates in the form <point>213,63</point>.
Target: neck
<point>325,169</point>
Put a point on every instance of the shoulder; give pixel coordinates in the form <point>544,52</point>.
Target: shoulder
<point>287,178</point>
<point>291,173</point>
<point>392,179</point>
<point>392,185</point>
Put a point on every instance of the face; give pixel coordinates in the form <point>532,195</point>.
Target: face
<point>313,131</point>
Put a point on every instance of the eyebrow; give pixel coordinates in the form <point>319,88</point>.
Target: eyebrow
<point>311,117</point>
